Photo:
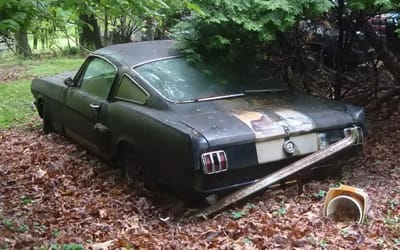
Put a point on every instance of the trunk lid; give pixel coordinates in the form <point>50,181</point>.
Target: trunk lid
<point>263,116</point>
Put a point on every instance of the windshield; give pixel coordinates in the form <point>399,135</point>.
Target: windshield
<point>179,80</point>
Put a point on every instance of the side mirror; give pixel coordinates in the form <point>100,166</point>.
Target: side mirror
<point>69,82</point>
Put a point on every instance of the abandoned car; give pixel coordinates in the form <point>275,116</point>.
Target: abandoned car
<point>189,126</point>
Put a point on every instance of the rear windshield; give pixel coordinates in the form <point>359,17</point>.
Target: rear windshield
<point>178,80</point>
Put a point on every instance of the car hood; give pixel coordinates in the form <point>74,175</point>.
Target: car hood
<point>263,117</point>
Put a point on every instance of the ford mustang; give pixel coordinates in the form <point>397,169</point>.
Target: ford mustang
<point>194,127</point>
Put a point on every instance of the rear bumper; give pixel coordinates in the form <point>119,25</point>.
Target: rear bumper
<point>234,179</point>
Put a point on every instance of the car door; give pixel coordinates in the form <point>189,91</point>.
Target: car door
<point>86,103</point>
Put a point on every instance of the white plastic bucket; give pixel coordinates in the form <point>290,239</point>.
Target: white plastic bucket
<point>345,207</point>
<point>347,202</point>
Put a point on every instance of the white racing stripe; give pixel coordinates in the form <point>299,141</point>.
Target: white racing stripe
<point>263,126</point>
<point>271,150</point>
<point>269,132</point>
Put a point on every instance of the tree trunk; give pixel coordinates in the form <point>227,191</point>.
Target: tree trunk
<point>43,39</point>
<point>389,59</point>
<point>22,45</point>
<point>89,36</point>
<point>149,29</point>
<point>35,42</point>
<point>340,54</point>
<point>105,34</point>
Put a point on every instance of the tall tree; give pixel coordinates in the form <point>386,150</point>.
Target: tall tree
<point>15,18</point>
<point>89,35</point>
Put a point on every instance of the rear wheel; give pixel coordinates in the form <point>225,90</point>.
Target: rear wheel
<point>132,167</point>
<point>135,171</point>
<point>47,121</point>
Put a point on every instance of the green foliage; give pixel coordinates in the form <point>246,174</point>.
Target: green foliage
<point>48,19</point>
<point>15,15</point>
<point>12,226</point>
<point>69,246</point>
<point>244,212</point>
<point>38,227</point>
<point>136,10</point>
<point>55,233</point>
<point>370,4</point>
<point>392,217</point>
<point>72,246</point>
<point>320,195</point>
<point>233,30</point>
<point>26,200</point>
<point>23,228</point>
<point>323,244</point>
<point>282,209</point>
<point>9,224</point>
<point>238,214</point>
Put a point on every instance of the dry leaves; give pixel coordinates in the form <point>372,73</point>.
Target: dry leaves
<point>53,194</point>
<point>11,73</point>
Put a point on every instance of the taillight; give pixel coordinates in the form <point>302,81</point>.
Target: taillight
<point>208,163</point>
<point>214,162</point>
<point>223,161</point>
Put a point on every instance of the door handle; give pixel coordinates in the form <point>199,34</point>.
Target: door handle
<point>100,128</point>
<point>95,106</point>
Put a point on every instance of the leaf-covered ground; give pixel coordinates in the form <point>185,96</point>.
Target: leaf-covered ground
<point>53,194</point>
<point>11,73</point>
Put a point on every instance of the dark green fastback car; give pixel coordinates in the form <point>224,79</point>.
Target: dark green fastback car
<point>193,127</point>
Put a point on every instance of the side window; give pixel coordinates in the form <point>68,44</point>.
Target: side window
<point>129,91</point>
<point>98,78</point>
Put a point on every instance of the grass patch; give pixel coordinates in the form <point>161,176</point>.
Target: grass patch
<point>16,104</point>
<point>16,98</point>
<point>53,66</point>
<point>44,66</point>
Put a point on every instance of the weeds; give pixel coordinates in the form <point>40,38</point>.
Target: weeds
<point>282,209</point>
<point>242,213</point>
<point>9,224</point>
<point>26,200</point>
<point>320,195</point>
<point>323,244</point>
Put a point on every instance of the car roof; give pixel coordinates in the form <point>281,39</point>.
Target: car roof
<point>135,53</point>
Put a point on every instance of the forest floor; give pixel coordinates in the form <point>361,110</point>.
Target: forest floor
<point>54,194</point>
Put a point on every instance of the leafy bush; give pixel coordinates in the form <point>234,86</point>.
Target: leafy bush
<point>234,30</point>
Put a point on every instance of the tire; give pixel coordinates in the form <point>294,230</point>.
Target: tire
<point>135,171</point>
<point>194,199</point>
<point>47,121</point>
<point>132,167</point>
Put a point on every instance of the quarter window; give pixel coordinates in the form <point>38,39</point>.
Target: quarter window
<point>129,91</point>
<point>98,78</point>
